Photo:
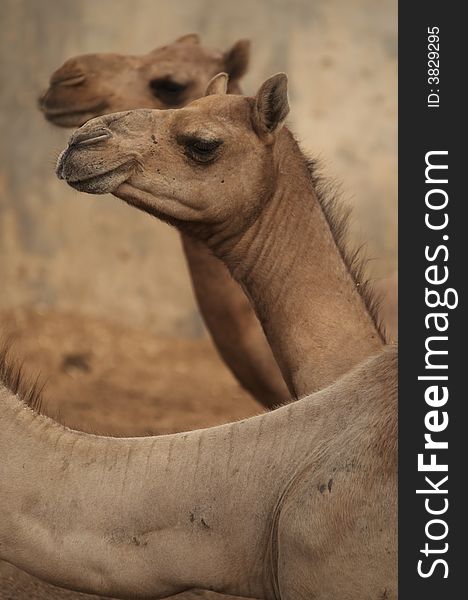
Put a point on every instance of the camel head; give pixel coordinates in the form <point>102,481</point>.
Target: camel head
<point>171,76</point>
<point>201,168</point>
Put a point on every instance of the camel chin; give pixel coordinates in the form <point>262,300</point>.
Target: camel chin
<point>103,183</point>
<point>61,113</point>
<point>68,120</point>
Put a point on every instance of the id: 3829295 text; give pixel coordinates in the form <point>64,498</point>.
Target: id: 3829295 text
<point>433,67</point>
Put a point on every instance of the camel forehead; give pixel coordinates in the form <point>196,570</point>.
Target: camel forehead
<point>212,116</point>
<point>216,115</point>
<point>101,62</point>
<point>178,60</point>
<point>222,113</point>
<point>184,63</point>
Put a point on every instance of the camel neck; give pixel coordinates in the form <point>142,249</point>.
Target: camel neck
<point>152,517</point>
<point>167,507</point>
<point>303,291</point>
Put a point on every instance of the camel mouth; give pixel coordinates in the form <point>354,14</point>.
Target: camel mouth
<point>73,117</point>
<point>104,182</point>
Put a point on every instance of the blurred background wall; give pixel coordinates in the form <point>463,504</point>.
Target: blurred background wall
<point>64,251</point>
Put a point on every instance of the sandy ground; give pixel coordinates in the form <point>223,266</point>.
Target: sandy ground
<point>105,378</point>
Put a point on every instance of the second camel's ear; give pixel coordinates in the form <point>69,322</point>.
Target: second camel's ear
<point>271,105</point>
<point>217,85</point>
<point>236,59</point>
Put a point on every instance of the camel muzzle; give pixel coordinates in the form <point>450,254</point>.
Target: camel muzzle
<point>79,140</point>
<point>88,138</point>
<point>59,80</point>
<point>70,80</point>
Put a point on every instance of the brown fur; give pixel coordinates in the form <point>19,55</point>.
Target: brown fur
<point>338,218</point>
<point>112,82</point>
<point>227,313</point>
<point>205,509</point>
<point>169,76</point>
<point>251,199</point>
<point>12,377</point>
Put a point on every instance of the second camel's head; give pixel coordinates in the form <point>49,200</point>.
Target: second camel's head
<point>170,76</point>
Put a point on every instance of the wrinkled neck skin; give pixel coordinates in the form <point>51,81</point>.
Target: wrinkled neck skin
<point>291,268</point>
<point>234,326</point>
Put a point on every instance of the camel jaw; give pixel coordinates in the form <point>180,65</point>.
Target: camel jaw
<point>73,117</point>
<point>102,182</point>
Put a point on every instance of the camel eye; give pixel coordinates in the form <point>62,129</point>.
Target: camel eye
<point>202,150</point>
<point>168,91</point>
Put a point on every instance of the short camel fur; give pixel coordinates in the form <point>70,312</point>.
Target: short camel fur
<point>294,504</point>
<point>171,76</point>
<point>229,317</point>
<point>224,171</point>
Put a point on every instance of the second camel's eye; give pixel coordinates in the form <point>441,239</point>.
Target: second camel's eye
<point>168,91</point>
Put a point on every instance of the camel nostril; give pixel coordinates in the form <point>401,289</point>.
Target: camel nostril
<point>88,138</point>
<point>67,80</point>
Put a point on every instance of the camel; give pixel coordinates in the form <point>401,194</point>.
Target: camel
<point>25,587</point>
<point>224,171</point>
<point>119,83</point>
<point>293,504</point>
<point>170,76</point>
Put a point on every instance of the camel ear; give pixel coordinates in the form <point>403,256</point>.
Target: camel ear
<point>217,85</point>
<point>190,38</point>
<point>236,59</point>
<point>271,105</point>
